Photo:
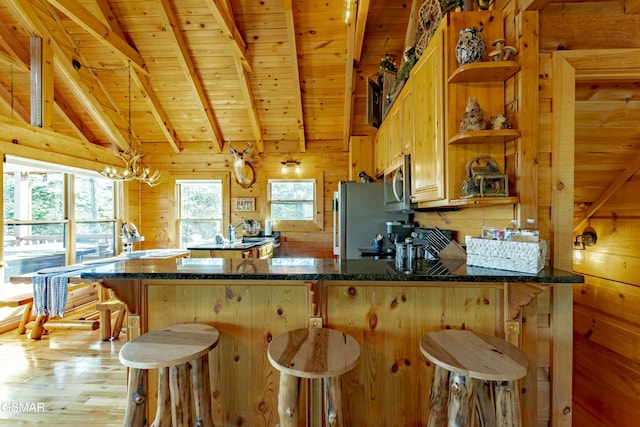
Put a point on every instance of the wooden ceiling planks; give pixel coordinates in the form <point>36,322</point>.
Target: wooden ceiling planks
<point>294,93</point>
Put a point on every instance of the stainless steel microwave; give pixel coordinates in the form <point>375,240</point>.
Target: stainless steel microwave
<point>397,187</point>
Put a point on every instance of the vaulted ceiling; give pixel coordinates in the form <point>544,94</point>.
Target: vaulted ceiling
<point>213,71</point>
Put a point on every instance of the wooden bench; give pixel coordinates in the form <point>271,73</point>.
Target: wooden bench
<point>17,296</point>
<point>21,294</point>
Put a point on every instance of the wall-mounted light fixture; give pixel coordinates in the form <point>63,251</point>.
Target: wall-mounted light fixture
<point>290,163</point>
<point>587,238</point>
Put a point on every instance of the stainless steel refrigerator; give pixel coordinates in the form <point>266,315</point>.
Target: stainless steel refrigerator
<point>358,215</point>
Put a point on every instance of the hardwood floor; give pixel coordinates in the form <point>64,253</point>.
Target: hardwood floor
<point>67,378</point>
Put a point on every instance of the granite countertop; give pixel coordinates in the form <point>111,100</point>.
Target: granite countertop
<point>313,269</point>
<point>245,243</point>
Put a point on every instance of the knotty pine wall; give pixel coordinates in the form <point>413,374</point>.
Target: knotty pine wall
<point>606,373</point>
<point>152,207</point>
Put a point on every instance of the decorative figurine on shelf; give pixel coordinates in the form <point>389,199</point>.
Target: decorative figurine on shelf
<point>409,60</point>
<point>471,46</point>
<point>484,179</point>
<point>473,117</point>
<point>500,121</point>
<point>364,177</point>
<point>387,63</point>
<point>502,52</point>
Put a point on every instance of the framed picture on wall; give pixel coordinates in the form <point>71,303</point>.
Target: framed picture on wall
<point>245,204</point>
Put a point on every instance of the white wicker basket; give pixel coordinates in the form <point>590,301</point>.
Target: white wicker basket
<point>525,257</point>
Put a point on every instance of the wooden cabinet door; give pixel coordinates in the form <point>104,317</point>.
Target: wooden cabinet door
<point>406,105</point>
<point>428,174</point>
<point>394,135</point>
<point>381,150</point>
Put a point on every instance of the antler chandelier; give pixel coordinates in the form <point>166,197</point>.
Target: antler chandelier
<point>132,170</point>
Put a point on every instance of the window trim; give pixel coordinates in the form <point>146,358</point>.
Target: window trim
<point>69,221</point>
<point>317,224</point>
<point>173,230</point>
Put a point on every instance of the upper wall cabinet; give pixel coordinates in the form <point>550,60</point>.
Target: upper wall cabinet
<point>443,153</point>
<point>428,159</point>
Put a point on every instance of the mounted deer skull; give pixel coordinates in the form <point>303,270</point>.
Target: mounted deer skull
<point>245,175</point>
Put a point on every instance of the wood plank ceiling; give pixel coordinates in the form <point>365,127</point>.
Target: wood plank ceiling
<point>203,71</point>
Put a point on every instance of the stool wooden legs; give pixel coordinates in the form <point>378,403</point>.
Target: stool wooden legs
<point>163,410</point>
<point>201,391</point>
<point>452,401</point>
<point>288,398</point>
<point>288,410</point>
<point>135,414</point>
<point>174,396</point>
<point>333,401</point>
<point>507,404</point>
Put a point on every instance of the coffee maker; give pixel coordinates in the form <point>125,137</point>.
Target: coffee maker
<point>397,231</point>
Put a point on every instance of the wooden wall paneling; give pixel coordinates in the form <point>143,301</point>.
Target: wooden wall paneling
<point>467,222</point>
<point>604,382</point>
<point>360,157</point>
<point>244,386</point>
<point>382,388</point>
<point>530,396</point>
<point>157,202</point>
<point>607,330</point>
<point>564,25</point>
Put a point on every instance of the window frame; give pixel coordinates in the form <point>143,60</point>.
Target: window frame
<point>175,179</point>
<point>68,220</point>
<point>317,223</point>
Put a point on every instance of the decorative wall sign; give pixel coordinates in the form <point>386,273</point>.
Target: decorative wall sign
<point>245,204</point>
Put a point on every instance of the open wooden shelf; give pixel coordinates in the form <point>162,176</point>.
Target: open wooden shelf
<point>484,136</point>
<point>493,71</point>
<point>483,201</point>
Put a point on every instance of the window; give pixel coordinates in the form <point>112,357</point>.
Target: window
<point>292,199</point>
<point>296,203</point>
<point>200,210</point>
<point>39,220</point>
<point>94,200</point>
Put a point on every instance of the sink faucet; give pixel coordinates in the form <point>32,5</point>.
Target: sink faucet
<point>231,230</point>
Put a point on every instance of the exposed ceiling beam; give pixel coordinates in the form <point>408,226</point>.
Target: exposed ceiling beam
<point>142,83</point>
<point>534,4</point>
<point>295,73</point>
<point>108,18</point>
<point>361,25</point>
<point>78,14</point>
<point>75,78</point>
<point>184,57</point>
<point>412,25</point>
<point>21,60</point>
<point>245,83</point>
<point>228,27</point>
<point>618,182</point>
<point>10,44</point>
<point>10,60</point>
<point>73,120</point>
<point>349,86</point>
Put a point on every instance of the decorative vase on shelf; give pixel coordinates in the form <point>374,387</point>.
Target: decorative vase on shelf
<point>471,46</point>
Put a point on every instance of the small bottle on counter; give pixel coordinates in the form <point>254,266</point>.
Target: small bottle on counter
<point>512,230</point>
<point>530,232</point>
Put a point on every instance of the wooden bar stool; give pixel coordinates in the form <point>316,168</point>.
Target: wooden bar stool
<point>312,353</point>
<point>174,351</point>
<point>473,371</point>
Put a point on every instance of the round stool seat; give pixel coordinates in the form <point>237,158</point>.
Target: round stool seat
<point>314,353</point>
<point>171,346</point>
<point>478,356</point>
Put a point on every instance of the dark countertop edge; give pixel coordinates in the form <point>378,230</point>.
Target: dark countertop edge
<point>569,279</point>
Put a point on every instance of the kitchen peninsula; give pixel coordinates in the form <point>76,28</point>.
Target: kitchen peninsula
<point>387,311</point>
